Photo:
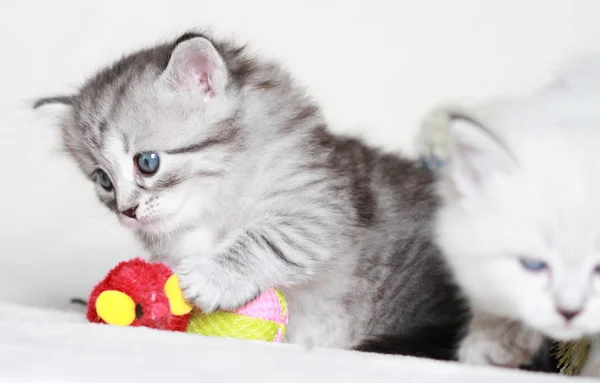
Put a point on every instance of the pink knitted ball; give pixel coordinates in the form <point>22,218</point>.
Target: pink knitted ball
<point>264,318</point>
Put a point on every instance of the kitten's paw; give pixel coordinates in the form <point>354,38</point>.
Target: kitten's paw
<point>486,352</point>
<point>210,287</point>
<point>509,345</point>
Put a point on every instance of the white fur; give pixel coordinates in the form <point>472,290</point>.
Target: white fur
<point>498,341</point>
<point>533,193</point>
<point>592,365</point>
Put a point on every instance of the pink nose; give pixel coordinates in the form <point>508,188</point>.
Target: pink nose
<point>159,310</point>
<point>568,314</point>
<point>131,212</point>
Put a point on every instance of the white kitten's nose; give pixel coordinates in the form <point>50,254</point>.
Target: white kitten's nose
<point>568,314</point>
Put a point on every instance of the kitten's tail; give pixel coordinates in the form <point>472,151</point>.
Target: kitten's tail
<point>433,342</point>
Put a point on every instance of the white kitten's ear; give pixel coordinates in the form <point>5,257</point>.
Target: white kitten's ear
<point>476,155</point>
<point>196,64</point>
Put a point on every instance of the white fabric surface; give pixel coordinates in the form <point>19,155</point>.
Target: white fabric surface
<point>43,345</point>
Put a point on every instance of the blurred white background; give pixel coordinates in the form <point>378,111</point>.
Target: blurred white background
<point>377,66</point>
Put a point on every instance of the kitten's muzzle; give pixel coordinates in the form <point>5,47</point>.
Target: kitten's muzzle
<point>131,212</point>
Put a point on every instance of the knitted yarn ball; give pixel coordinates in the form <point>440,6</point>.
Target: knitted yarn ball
<point>264,318</point>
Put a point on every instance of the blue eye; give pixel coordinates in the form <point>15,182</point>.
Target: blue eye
<point>597,269</point>
<point>148,162</point>
<point>104,180</point>
<point>533,265</point>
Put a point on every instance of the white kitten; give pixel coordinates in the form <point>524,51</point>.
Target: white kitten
<point>520,219</point>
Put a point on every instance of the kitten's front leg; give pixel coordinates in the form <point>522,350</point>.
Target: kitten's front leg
<point>499,342</point>
<point>273,253</point>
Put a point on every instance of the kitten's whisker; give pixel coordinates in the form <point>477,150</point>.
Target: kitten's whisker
<point>85,220</point>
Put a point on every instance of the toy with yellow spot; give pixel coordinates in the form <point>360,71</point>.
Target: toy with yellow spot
<point>139,293</point>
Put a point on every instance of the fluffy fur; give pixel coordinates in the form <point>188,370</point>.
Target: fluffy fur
<point>519,220</point>
<point>254,192</point>
<point>591,366</point>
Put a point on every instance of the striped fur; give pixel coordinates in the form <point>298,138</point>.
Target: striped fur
<point>254,192</point>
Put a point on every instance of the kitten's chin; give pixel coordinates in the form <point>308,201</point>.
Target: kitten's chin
<point>561,331</point>
<point>564,333</point>
<point>154,225</point>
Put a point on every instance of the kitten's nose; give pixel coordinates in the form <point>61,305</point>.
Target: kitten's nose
<point>130,212</point>
<point>568,314</point>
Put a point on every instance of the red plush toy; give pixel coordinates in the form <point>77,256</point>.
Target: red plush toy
<point>139,293</point>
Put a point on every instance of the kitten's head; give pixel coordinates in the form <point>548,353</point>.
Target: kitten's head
<point>520,217</point>
<point>160,131</point>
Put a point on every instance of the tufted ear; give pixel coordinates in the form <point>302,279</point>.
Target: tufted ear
<point>476,155</point>
<point>196,64</point>
<point>55,100</point>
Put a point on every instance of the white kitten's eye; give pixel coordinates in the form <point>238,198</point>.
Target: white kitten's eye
<point>533,265</point>
<point>597,269</point>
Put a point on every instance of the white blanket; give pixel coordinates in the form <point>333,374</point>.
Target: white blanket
<point>41,345</point>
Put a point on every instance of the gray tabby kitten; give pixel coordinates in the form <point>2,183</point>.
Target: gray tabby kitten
<point>225,170</point>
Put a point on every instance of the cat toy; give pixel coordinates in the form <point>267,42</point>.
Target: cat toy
<point>433,140</point>
<point>572,356</point>
<point>144,294</point>
<point>433,146</point>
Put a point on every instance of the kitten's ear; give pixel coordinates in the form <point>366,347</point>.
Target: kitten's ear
<point>196,64</point>
<point>55,100</point>
<point>475,155</point>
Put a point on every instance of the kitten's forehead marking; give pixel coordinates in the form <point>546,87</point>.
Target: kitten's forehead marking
<point>120,160</point>
<point>126,143</point>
